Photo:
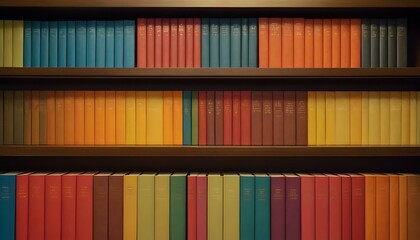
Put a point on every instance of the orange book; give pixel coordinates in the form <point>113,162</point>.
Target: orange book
<point>336,42</point>
<point>345,43</point>
<point>166,41</point>
<point>158,42</point>
<point>370,208</point>
<point>141,110</point>
<point>50,117</point>
<point>177,125</point>
<point>413,206</point>
<point>287,42</point>
<point>27,117</point>
<point>299,42</point>
<point>394,207</point>
<point>110,117</point>
<point>141,43</point>
<point>120,117</point>
<point>309,43</point>
<point>168,118</point>
<point>382,207</point>
<point>274,43</point>
<point>181,42</point>
<point>79,117</point>
<point>59,117</point>
<point>99,117</point>
<point>69,117</point>
<point>89,117</point>
<point>189,43</point>
<point>355,24</point>
<point>35,118</point>
<point>402,194</point>
<point>130,117</point>
<point>263,53</point>
<point>318,43</point>
<point>327,43</point>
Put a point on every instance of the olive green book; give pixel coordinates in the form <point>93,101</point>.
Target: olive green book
<point>18,117</point>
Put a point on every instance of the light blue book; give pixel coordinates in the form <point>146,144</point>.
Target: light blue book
<point>90,43</point>
<point>129,43</point>
<point>247,207</point>
<point>224,47</point>
<point>62,44</point>
<point>119,44</point>
<point>109,44</point>
<point>205,43</point>
<point>81,44</point>
<point>45,32</point>
<point>100,44</point>
<point>36,44</point>
<point>244,43</point>
<point>53,51</point>
<point>214,43</point>
<point>71,44</point>
<point>262,207</point>
<point>27,42</point>
<point>253,42</point>
<point>187,117</point>
<point>7,205</point>
<point>235,42</point>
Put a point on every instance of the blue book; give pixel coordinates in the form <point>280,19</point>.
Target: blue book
<point>205,43</point>
<point>36,44</point>
<point>100,44</point>
<point>7,205</point>
<point>187,117</point>
<point>129,43</point>
<point>214,42</point>
<point>81,44</point>
<point>90,43</point>
<point>247,207</point>
<point>53,51</point>
<point>244,43</point>
<point>119,44</point>
<point>253,42</point>
<point>71,44</point>
<point>45,32</point>
<point>62,44</point>
<point>27,42</point>
<point>262,207</point>
<point>235,42</point>
<point>109,44</point>
<point>224,42</point>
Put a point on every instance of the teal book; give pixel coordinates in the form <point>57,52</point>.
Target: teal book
<point>392,43</point>
<point>53,50</point>
<point>177,207</point>
<point>90,43</point>
<point>62,44</point>
<point>247,207</point>
<point>100,44</point>
<point>81,44</point>
<point>224,43</point>
<point>186,117</point>
<point>129,43</point>
<point>401,42</point>
<point>45,32</point>
<point>235,42</point>
<point>71,44</point>
<point>244,43</point>
<point>365,43</point>
<point>205,42</point>
<point>119,44</point>
<point>262,207</point>
<point>7,205</point>
<point>1,118</point>
<point>194,121</point>
<point>18,117</point>
<point>36,44</point>
<point>27,40</point>
<point>8,117</point>
<point>374,43</point>
<point>214,43</point>
<point>253,43</point>
<point>383,43</point>
<point>109,44</point>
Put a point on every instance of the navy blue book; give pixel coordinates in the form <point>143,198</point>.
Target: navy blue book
<point>224,48</point>
<point>253,42</point>
<point>129,43</point>
<point>205,42</point>
<point>81,44</point>
<point>45,32</point>
<point>7,205</point>
<point>90,43</point>
<point>214,43</point>
<point>27,42</point>
<point>244,43</point>
<point>109,44</point>
<point>119,44</point>
<point>187,117</point>
<point>71,44</point>
<point>235,42</point>
<point>100,44</point>
<point>53,50</point>
<point>62,44</point>
<point>36,44</point>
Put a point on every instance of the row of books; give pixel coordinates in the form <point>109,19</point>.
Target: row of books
<point>215,206</point>
<point>11,43</point>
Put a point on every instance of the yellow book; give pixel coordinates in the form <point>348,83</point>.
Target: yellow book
<point>374,118</point>
<point>130,117</point>
<point>1,42</point>
<point>120,117</point>
<point>162,201</point>
<point>355,118</point>
<point>214,207</point>
<point>177,117</point>
<point>320,118</point>
<point>385,118</point>
<point>141,117</point>
<point>17,43</point>
<point>154,116</point>
<point>231,207</point>
<point>330,110</point>
<point>130,206</point>
<point>405,118</point>
<point>342,118</point>
<point>168,118</point>
<point>418,118</point>
<point>394,119</point>
<point>365,118</point>
<point>8,43</point>
<point>146,206</point>
<point>311,118</point>
<point>413,118</point>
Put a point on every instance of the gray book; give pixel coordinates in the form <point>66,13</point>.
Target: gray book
<point>8,117</point>
<point>18,118</point>
<point>1,117</point>
<point>374,43</point>
<point>392,43</point>
<point>43,96</point>
<point>401,42</point>
<point>365,43</point>
<point>383,43</point>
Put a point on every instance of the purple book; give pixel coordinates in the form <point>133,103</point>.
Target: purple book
<point>292,207</point>
<point>278,205</point>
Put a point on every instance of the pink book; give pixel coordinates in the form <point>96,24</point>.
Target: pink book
<point>174,43</point>
<point>189,43</point>
<point>141,43</point>
<point>165,43</point>
<point>181,42</point>
<point>150,42</point>
<point>202,207</point>
<point>158,42</point>
<point>197,42</point>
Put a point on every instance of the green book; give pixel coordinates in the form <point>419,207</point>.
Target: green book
<point>401,42</point>
<point>374,43</point>
<point>1,117</point>
<point>262,207</point>
<point>194,122</point>
<point>365,43</point>
<point>383,43</point>
<point>177,207</point>
<point>43,117</point>
<point>392,43</point>
<point>247,207</point>
<point>18,118</point>
<point>8,117</point>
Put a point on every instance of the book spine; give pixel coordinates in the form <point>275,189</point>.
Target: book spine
<point>168,118</point>
<point>84,206</point>
<point>81,44</point>
<point>130,117</point>
<point>214,42</point>
<point>262,207</point>
<point>110,117</point>
<point>227,118</point>
<point>90,117</point>
<point>399,122</point>
<point>178,203</point>
<point>69,117</point>
<point>202,118</point>
<point>299,42</point>
<point>59,117</point>
<point>244,42</point>
<point>141,125</point>
<point>392,43</point>
<point>177,119</point>
<point>27,44</point>
<point>36,213</point>
<point>382,198</point>
<point>71,44</point>
<point>189,42</point>
<point>309,43</point>
<point>79,117</point>
<point>162,206</point>
<point>394,208</point>
<point>370,206</point>
<point>287,53</point>
<point>62,44</point>
<point>355,118</point>
<point>129,43</point>
<point>402,206</point>
<point>202,207</point>
<point>401,42</point>
<point>158,42</point>
<point>100,207</point>
<point>320,118</point>
<point>210,118</point>
<point>68,206</point>
<point>374,118</point>
<point>192,207</point>
<point>141,43</point>
<point>383,43</point>
<point>293,210</point>
<point>308,207</point>
<point>236,118</point>
<point>150,42</point>
<point>289,118</point>
<point>7,206</point>
<point>52,207</point>
<point>342,118</point>
<point>355,43</point>
<point>44,43</point>
<point>8,43</point>
<point>18,43</point>
<point>263,43</point>
<point>224,42</point>
<point>253,42</point>
<point>246,118</point>
<point>235,42</point>
<point>278,207</point>
<point>278,118</point>
<point>173,54</point>
<point>2,42</point>
<point>413,206</point>
<point>99,117</point>
<point>22,206</point>
<point>197,42</point>
<point>110,44</point>
<point>181,43</point>
<point>90,43</point>
<point>365,118</point>
<point>35,117</point>
<point>256,118</point>
<point>321,207</point>
<point>247,207</point>
<point>374,43</point>
<point>318,43</point>
<point>218,118</point>
<point>43,96</point>
<point>166,43</point>
<point>187,117</point>
<point>145,206</point>
<point>274,42</point>
<point>18,121</point>
<point>36,44</point>
<point>327,43</point>
<point>346,207</point>
<point>115,206</point>
<point>154,115</point>
<point>385,117</point>
<point>100,44</point>
<point>301,118</point>
<point>27,121</point>
<point>51,117</point>
<point>267,118</point>
<point>366,45</point>
<point>345,43</point>
<point>194,121</point>
<point>205,42</point>
<point>413,118</point>
<point>215,207</point>
<point>53,44</point>
<point>336,43</point>
<point>335,207</point>
<point>8,99</point>
<point>119,44</point>
<point>231,209</point>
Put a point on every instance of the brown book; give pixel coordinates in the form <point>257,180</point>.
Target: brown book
<point>413,206</point>
<point>218,107</point>
<point>278,118</point>
<point>100,206</point>
<point>289,118</point>
<point>115,206</point>
<point>267,118</point>
<point>302,118</point>
<point>210,118</point>
<point>256,118</point>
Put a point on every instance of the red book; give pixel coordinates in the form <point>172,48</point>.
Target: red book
<point>189,42</point>
<point>181,42</point>
<point>307,183</point>
<point>100,206</point>
<point>218,118</point>
<point>299,42</point>
<point>309,43</point>
<point>174,43</point>
<point>22,206</point>
<point>321,206</point>
<point>357,207</point>
<point>335,209</point>
<point>141,43</point>
<point>345,207</point>
<point>84,206</point>
<point>150,42</point>
<point>210,118</point>
<point>202,118</point>
<point>158,42</point>
<point>236,118</point>
<point>287,43</point>
<point>68,206</point>
<point>278,118</point>
<point>53,206</point>
<point>289,118</point>
<point>256,118</point>
<point>267,118</point>
<point>36,213</point>
<point>301,118</point>
<point>197,42</point>
<point>318,43</point>
<point>355,31</point>
<point>166,41</point>
<point>192,207</point>
<point>278,206</point>
<point>202,207</point>
<point>115,206</point>
<point>327,43</point>
<point>245,118</point>
<point>227,118</point>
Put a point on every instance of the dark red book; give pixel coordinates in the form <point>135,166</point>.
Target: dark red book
<point>245,118</point>
<point>321,206</point>
<point>308,206</point>
<point>334,196</point>
<point>227,118</point>
<point>302,118</point>
<point>278,206</point>
<point>202,118</point>
<point>100,206</point>
<point>202,207</point>
<point>192,207</point>
<point>357,207</point>
<point>236,118</point>
<point>115,206</point>
<point>84,206</point>
<point>53,206</point>
<point>181,42</point>
<point>22,206</point>
<point>267,118</point>
<point>68,206</point>
<point>256,118</point>
<point>289,118</point>
<point>158,42</point>
<point>150,42</point>
<point>293,210</point>
<point>36,213</point>
<point>278,118</point>
<point>210,118</point>
<point>218,118</point>
<point>345,207</point>
<point>189,42</point>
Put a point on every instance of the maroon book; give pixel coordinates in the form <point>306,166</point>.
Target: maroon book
<point>115,206</point>
<point>278,118</point>
<point>293,211</point>
<point>210,118</point>
<point>100,206</point>
<point>357,207</point>
<point>256,118</point>
<point>308,206</point>
<point>301,118</point>
<point>335,208</point>
<point>278,205</point>
<point>227,118</point>
<point>345,207</point>
<point>218,112</point>
<point>289,118</point>
<point>267,118</point>
<point>236,118</point>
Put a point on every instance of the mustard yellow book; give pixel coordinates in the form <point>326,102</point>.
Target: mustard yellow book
<point>1,42</point>
<point>342,118</point>
<point>141,117</point>
<point>120,117</point>
<point>99,117</point>
<point>177,117</point>
<point>365,118</point>
<point>130,206</point>
<point>214,207</point>
<point>405,118</point>
<point>168,118</point>
<point>418,118</point>
<point>162,201</point>
<point>320,118</point>
<point>130,117</point>
<point>413,118</point>
<point>330,110</point>
<point>355,118</point>
<point>374,118</point>
<point>154,115</point>
<point>17,43</point>
<point>395,118</point>
<point>8,43</point>
<point>146,206</point>
<point>385,118</point>
<point>311,118</point>
<point>231,205</point>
